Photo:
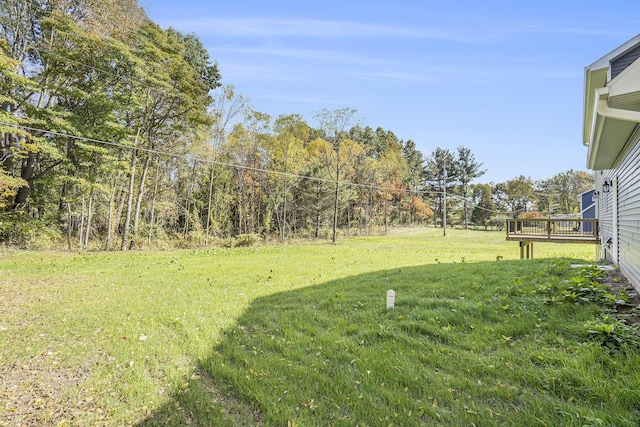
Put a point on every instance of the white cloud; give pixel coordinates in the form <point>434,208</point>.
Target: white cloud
<point>471,32</point>
<point>314,28</point>
<point>330,55</point>
<point>305,99</point>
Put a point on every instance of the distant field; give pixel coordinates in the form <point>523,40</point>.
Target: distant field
<point>298,335</point>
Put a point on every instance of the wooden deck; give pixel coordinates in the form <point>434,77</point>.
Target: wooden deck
<point>528,231</point>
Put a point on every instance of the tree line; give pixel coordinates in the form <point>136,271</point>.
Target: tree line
<point>116,133</point>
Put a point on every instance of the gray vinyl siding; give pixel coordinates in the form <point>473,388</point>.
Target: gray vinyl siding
<point>619,64</point>
<point>605,210</point>
<point>628,174</point>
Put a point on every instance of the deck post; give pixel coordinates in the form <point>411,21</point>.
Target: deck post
<point>526,250</point>
<point>521,250</point>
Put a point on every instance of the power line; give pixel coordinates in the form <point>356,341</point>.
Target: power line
<point>244,167</point>
<point>250,168</point>
<point>200,160</point>
<point>207,161</point>
<point>485,209</point>
<point>142,84</point>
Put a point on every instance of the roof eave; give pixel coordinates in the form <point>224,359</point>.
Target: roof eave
<point>597,76</point>
<point>610,130</point>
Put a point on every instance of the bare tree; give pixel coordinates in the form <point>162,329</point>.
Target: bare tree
<point>226,107</point>
<point>334,125</point>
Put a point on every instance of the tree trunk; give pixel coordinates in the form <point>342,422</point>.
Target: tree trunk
<point>26,173</point>
<point>371,217</point>
<point>62,201</point>
<point>69,226</point>
<point>386,222</point>
<point>143,178</point>
<point>284,212</point>
<point>337,196</point>
<point>335,212</point>
<point>112,199</point>
<point>253,209</point>
<point>349,220</point>
<point>318,210</point>
<point>278,213</point>
<point>466,222</point>
<point>187,213</point>
<point>127,219</point>
<point>8,141</point>
<point>152,215</point>
<point>208,224</point>
<point>81,229</point>
<point>361,216</point>
<point>89,217</point>
<point>118,216</point>
<point>241,203</point>
<point>444,204</point>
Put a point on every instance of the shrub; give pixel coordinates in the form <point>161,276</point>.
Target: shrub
<point>497,221</point>
<point>530,215</point>
<point>247,240</point>
<point>33,234</point>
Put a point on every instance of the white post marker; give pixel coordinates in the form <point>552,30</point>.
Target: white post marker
<point>391,299</point>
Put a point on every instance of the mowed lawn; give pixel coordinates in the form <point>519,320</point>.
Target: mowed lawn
<point>299,335</point>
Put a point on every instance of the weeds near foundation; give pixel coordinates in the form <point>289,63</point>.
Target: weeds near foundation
<point>610,328</point>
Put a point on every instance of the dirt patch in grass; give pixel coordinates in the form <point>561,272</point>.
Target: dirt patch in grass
<point>39,393</point>
<point>37,390</point>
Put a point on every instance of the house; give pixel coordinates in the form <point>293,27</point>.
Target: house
<point>611,131</point>
<point>588,209</point>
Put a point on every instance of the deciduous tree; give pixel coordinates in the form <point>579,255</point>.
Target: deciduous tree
<point>516,195</point>
<point>333,126</point>
<point>484,207</point>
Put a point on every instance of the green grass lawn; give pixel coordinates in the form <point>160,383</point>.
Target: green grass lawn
<point>299,335</point>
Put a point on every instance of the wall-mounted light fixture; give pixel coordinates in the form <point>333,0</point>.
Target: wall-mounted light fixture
<point>606,186</point>
<point>609,242</point>
<point>595,195</point>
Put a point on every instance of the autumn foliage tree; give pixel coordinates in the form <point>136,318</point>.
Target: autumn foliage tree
<point>116,133</point>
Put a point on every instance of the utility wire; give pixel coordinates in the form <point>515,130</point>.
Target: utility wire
<point>454,196</point>
<point>142,84</point>
<point>207,161</point>
<point>159,152</point>
<point>250,168</point>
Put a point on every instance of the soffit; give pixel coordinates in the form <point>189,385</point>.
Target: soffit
<point>596,77</point>
<point>607,136</point>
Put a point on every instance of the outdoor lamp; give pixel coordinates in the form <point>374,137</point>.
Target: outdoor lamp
<point>606,186</point>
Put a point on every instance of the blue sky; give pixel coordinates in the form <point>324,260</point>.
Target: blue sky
<point>504,78</point>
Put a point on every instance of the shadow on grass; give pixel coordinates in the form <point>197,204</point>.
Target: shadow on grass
<point>331,354</point>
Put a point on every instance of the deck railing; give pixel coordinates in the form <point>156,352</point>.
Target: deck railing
<point>553,228</point>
